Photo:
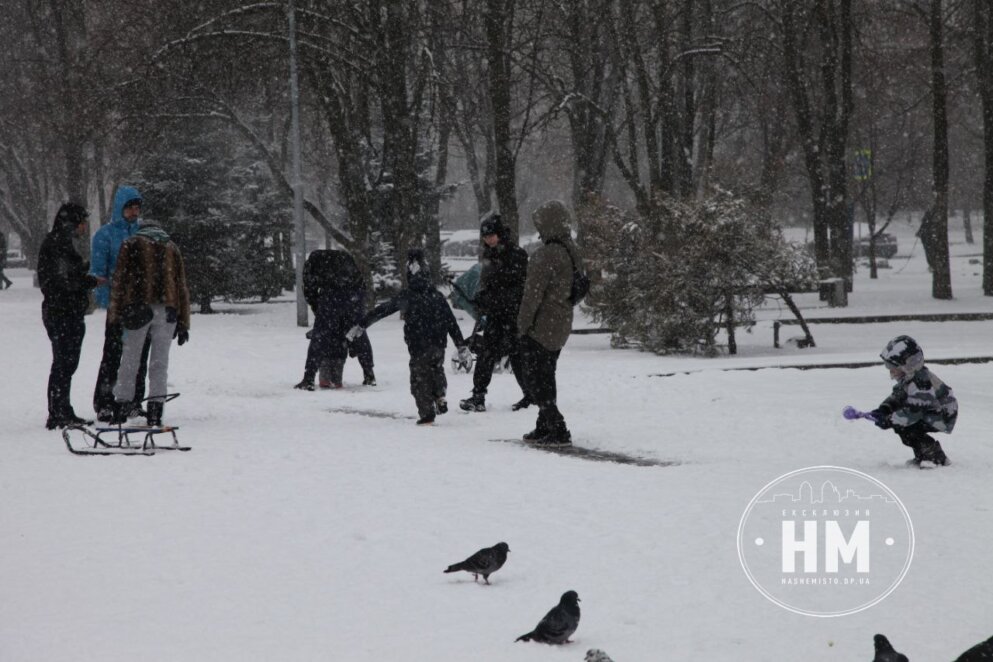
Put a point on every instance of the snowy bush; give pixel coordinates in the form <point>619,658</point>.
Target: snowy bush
<point>672,280</point>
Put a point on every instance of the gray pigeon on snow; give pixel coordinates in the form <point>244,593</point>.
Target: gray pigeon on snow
<point>596,655</point>
<point>885,652</point>
<point>978,653</point>
<point>484,562</point>
<point>558,624</point>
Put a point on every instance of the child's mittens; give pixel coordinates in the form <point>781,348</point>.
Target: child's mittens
<point>354,333</point>
<point>881,419</point>
<point>465,357</point>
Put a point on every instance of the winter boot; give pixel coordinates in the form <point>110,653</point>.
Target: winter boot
<point>154,416</point>
<point>931,451</point>
<point>555,439</point>
<point>918,457</point>
<point>137,412</point>
<point>523,403</point>
<point>72,419</point>
<point>473,403</point>
<point>55,422</point>
<point>119,416</point>
<point>369,379</point>
<point>426,420</point>
<point>305,385</point>
<point>441,405</point>
<point>535,435</point>
<point>105,414</point>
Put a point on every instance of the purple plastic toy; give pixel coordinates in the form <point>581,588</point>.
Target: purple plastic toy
<point>851,413</point>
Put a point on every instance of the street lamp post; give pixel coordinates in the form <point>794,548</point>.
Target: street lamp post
<point>299,237</point>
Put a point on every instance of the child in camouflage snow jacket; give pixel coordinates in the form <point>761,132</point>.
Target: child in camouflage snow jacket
<point>920,402</point>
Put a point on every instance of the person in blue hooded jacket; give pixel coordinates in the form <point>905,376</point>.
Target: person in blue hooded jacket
<point>103,261</point>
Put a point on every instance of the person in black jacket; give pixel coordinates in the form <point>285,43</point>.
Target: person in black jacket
<point>340,305</point>
<point>428,321</point>
<point>321,271</point>
<point>64,285</point>
<point>501,286</point>
<point>5,283</point>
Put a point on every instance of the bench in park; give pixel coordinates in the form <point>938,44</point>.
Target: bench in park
<point>872,319</point>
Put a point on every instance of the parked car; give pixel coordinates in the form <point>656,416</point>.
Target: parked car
<point>885,246</point>
<point>15,259</point>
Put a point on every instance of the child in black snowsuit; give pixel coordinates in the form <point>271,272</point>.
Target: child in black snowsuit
<point>920,402</point>
<point>428,321</point>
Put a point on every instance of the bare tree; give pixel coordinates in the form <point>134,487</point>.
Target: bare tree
<point>823,28</point>
<point>982,14</point>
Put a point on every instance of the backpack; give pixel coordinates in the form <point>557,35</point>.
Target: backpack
<point>580,281</point>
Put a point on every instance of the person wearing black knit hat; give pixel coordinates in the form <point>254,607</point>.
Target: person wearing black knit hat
<point>65,285</point>
<point>5,283</point>
<point>501,287</point>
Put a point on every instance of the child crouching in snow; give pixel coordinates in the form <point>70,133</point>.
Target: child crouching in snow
<point>428,321</point>
<point>920,402</point>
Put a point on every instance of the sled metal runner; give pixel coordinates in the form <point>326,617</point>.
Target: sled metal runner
<point>121,440</point>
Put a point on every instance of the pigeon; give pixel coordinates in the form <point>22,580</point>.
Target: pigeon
<point>558,624</point>
<point>979,652</point>
<point>484,562</point>
<point>596,655</point>
<point>885,652</point>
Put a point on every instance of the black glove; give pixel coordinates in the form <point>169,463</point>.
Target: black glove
<point>182,334</point>
<point>881,419</point>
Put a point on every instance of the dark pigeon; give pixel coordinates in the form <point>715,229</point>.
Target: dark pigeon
<point>484,562</point>
<point>978,653</point>
<point>558,624</point>
<point>885,652</point>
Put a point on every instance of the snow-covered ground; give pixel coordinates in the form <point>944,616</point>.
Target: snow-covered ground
<point>294,532</point>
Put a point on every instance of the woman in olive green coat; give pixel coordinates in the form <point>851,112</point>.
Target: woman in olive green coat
<point>545,318</point>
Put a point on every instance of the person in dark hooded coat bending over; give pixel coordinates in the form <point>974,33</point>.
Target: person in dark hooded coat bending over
<point>340,303</point>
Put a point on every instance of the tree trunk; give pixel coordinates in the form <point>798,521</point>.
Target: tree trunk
<point>808,340</point>
<point>824,145</point>
<point>797,85</point>
<point>499,21</point>
<point>941,278</point>
<point>729,325</point>
<point>432,238</point>
<point>983,27</point>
